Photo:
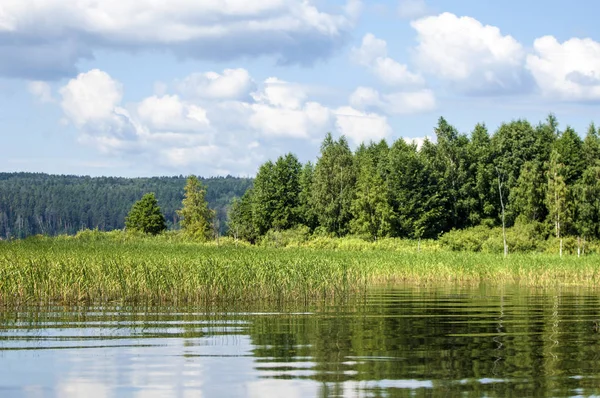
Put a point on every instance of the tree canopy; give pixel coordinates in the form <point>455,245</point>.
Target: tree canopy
<point>522,173</point>
<point>145,216</point>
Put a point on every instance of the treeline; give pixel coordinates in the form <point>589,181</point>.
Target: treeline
<point>36,203</point>
<point>523,173</point>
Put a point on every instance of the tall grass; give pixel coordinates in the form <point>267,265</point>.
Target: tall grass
<point>98,267</point>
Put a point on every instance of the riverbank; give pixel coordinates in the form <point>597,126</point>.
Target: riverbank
<point>106,268</point>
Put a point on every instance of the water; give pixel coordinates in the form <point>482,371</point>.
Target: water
<point>392,342</point>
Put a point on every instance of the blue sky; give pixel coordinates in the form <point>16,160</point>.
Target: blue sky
<point>216,87</point>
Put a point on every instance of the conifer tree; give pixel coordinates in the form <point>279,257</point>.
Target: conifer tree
<point>145,216</point>
<point>195,215</point>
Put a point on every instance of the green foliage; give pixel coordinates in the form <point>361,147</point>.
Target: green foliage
<point>296,236</point>
<point>556,196</point>
<point>241,221</point>
<point>371,211</point>
<point>587,194</point>
<point>36,203</point>
<point>195,215</point>
<point>529,195</point>
<point>307,214</point>
<point>591,147</point>
<point>145,216</point>
<point>333,185</point>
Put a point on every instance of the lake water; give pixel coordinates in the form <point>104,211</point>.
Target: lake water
<point>390,342</point>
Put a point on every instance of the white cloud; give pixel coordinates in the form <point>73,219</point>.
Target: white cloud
<point>281,94</point>
<point>216,136</point>
<point>41,91</point>
<point>231,84</point>
<point>476,57</point>
<point>170,113</point>
<point>313,119</point>
<point>568,71</point>
<point>361,126</point>
<point>411,9</point>
<point>281,109</point>
<point>397,103</point>
<point>418,141</point>
<point>46,39</point>
<point>91,96</point>
<point>373,55</point>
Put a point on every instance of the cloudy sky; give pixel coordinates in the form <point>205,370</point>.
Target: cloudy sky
<point>216,87</point>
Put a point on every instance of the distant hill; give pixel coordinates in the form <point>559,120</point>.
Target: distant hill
<point>38,203</point>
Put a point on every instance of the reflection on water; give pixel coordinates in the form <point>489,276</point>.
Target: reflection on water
<point>391,342</point>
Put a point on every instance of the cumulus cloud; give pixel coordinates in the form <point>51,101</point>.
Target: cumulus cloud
<point>170,113</point>
<point>222,135</point>
<point>568,70</point>
<point>281,94</point>
<point>397,103</point>
<point>373,55</point>
<point>231,84</point>
<point>361,126</point>
<point>476,58</point>
<point>44,40</point>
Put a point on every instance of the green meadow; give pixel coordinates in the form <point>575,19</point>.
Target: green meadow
<point>118,267</point>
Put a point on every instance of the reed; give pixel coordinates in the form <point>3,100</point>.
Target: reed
<point>124,268</point>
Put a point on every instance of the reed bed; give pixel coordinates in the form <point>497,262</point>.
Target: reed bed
<point>71,270</point>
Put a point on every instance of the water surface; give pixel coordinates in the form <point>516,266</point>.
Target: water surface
<point>441,341</point>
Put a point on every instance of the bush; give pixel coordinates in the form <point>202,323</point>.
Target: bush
<point>296,236</point>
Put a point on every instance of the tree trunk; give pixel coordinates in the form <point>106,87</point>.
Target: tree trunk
<point>560,251</point>
<point>503,223</point>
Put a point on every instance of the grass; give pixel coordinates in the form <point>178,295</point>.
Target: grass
<point>115,267</point>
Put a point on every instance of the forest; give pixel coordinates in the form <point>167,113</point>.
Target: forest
<point>36,203</point>
<point>522,174</point>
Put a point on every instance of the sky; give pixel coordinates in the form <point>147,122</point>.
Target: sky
<point>217,87</point>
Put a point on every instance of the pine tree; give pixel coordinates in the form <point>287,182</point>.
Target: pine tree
<point>196,217</point>
<point>145,216</point>
<point>591,147</point>
<point>588,203</point>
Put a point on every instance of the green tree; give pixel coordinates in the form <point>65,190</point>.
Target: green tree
<point>591,147</point>
<point>145,216</point>
<point>263,198</point>
<point>196,217</point>
<point>307,213</point>
<point>333,185</point>
<point>569,147</point>
<point>406,184</point>
<point>240,219</point>
<point>529,195</point>
<point>286,202</point>
<point>371,211</point>
<point>588,203</point>
<point>485,196</point>
<point>452,164</point>
<point>276,194</point>
<point>556,196</point>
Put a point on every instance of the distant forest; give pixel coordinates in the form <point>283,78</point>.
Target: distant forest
<point>37,203</point>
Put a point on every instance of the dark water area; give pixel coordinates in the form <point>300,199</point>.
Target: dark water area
<point>401,342</point>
